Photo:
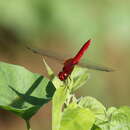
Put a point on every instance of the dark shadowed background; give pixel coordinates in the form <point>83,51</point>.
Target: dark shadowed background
<point>62,27</point>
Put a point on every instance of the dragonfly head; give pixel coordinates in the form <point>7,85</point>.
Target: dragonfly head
<point>62,76</point>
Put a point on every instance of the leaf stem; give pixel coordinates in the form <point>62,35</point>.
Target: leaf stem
<point>28,124</point>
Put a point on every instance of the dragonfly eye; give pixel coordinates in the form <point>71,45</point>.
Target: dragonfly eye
<point>63,76</point>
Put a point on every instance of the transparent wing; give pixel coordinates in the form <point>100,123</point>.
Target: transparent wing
<point>62,59</point>
<point>97,67</point>
<point>46,53</point>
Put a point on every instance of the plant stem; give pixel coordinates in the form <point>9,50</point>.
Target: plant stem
<point>28,125</point>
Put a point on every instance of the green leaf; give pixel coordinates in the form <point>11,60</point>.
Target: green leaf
<point>94,105</point>
<point>118,120</point>
<point>23,92</point>
<point>79,76</point>
<point>77,118</point>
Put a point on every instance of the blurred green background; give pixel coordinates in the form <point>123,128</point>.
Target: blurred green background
<point>63,27</point>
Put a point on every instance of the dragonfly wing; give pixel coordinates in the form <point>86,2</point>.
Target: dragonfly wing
<point>61,59</point>
<point>97,67</point>
<point>45,53</point>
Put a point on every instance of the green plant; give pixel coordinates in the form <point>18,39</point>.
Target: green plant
<point>24,93</point>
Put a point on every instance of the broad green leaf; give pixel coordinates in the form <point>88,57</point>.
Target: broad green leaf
<point>79,77</point>
<point>118,120</point>
<point>94,105</point>
<point>77,118</point>
<point>23,92</point>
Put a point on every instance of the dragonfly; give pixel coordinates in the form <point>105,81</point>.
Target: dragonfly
<point>70,63</point>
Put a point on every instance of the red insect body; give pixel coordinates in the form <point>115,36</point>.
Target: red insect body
<point>77,58</point>
<point>67,69</point>
<point>70,63</point>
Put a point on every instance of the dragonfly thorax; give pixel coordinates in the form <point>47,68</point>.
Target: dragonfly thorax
<point>67,69</point>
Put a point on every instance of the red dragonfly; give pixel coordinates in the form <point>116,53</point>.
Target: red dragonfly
<point>70,63</point>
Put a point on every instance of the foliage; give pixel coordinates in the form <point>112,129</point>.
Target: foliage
<point>85,113</point>
<point>23,93</point>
